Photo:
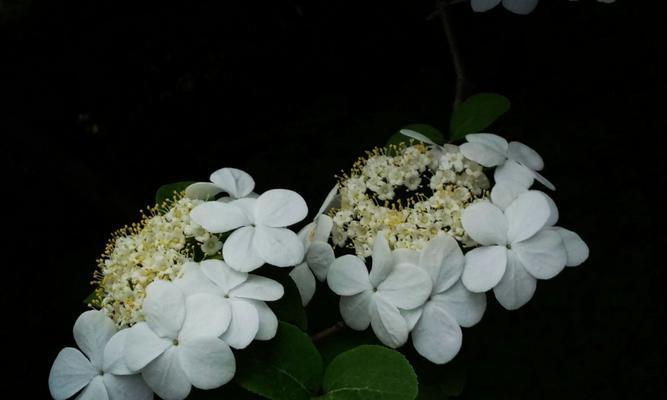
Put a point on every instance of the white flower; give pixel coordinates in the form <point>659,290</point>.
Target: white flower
<point>435,326</point>
<point>514,161</point>
<point>377,298</point>
<point>261,237</point>
<point>103,373</point>
<point>245,293</point>
<point>518,247</point>
<point>236,183</point>
<point>177,347</point>
<point>516,6</point>
<point>319,253</point>
<point>211,246</point>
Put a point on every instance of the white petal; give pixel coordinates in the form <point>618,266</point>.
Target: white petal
<point>305,281</point>
<point>207,315</point>
<point>222,275</point>
<point>437,336</point>
<point>164,308</point>
<point>511,171</point>
<point>497,143</point>
<point>114,357</point>
<point>383,262</point>
<point>233,181</point>
<point>131,387</point>
<point>485,223</point>
<point>543,180</point>
<point>319,257</point>
<point>522,7</point>
<point>95,390</point>
<point>443,260</point>
<point>523,154</point>
<point>166,377</point>
<point>71,371</point>
<point>482,154</point>
<point>92,331</point>
<point>387,322</point>
<point>194,281</point>
<point>278,246</point>
<point>517,286</point>
<point>348,276</point>
<point>280,207</point>
<point>465,306</point>
<point>405,257</point>
<point>208,362</point>
<point>268,322</point>
<point>239,250</point>
<point>576,249</point>
<point>417,136</point>
<point>412,316</point>
<point>329,201</point>
<point>483,5</point>
<point>142,346</point>
<point>543,255</point>
<point>553,210</point>
<point>484,268</point>
<point>217,217</point>
<point>355,310</point>
<point>202,191</point>
<point>406,287</point>
<point>244,325</point>
<point>246,204</point>
<point>307,234</point>
<point>258,288</point>
<point>323,228</point>
<point>529,213</point>
<point>504,193</point>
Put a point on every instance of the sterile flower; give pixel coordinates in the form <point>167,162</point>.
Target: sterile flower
<point>261,237</point>
<point>103,373</point>
<point>514,161</point>
<point>516,6</point>
<point>178,345</point>
<point>319,253</point>
<point>245,293</point>
<point>435,326</point>
<point>518,246</point>
<point>377,298</point>
<point>236,183</point>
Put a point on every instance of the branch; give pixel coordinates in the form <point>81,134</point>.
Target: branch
<point>443,12</point>
<point>337,327</point>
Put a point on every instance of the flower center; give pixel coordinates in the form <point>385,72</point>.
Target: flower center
<point>175,342</point>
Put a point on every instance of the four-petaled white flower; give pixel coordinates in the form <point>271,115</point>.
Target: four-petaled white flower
<point>103,373</point>
<point>178,345</point>
<point>245,293</point>
<point>236,183</point>
<point>261,236</point>
<point>514,161</point>
<point>436,325</point>
<point>377,298</point>
<point>516,6</point>
<point>518,246</point>
<point>319,253</point>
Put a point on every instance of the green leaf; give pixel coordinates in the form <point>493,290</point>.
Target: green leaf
<point>288,367</point>
<point>289,307</point>
<point>167,192</point>
<point>347,339</point>
<point>427,130</point>
<point>477,113</point>
<point>370,372</point>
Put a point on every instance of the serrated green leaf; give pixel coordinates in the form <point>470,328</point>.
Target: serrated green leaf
<point>289,307</point>
<point>370,372</point>
<point>167,192</point>
<point>427,130</point>
<point>477,113</point>
<point>288,367</point>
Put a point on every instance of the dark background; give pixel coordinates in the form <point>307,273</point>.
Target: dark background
<point>107,100</point>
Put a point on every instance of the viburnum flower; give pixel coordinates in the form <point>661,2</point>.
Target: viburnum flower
<point>518,246</point>
<point>103,374</point>
<point>178,345</point>
<point>246,295</point>
<point>514,161</point>
<point>236,183</point>
<point>319,253</point>
<point>435,326</point>
<point>259,235</point>
<point>516,6</point>
<point>377,298</point>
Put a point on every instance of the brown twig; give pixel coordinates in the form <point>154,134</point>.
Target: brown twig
<point>337,327</point>
<point>445,18</point>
